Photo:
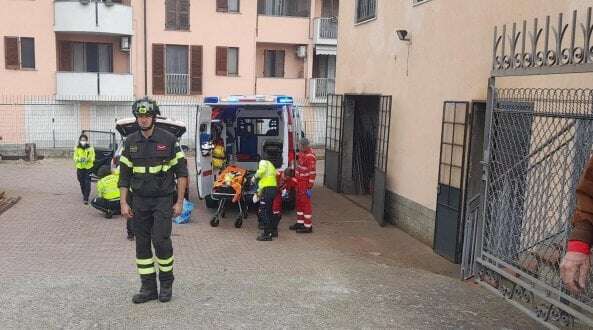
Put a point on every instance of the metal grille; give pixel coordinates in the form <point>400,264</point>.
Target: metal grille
<point>383,133</point>
<point>539,142</point>
<point>334,123</point>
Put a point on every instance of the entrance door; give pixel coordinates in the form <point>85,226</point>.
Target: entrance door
<point>333,142</point>
<point>381,157</point>
<point>451,180</point>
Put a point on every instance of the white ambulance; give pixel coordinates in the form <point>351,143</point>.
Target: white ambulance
<point>250,128</point>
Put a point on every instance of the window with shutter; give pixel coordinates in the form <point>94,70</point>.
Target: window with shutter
<point>274,63</point>
<point>183,15</point>
<point>221,61</point>
<point>222,6</point>
<point>196,70</point>
<point>28,53</point>
<point>11,53</point>
<point>158,69</point>
<point>65,56</point>
<point>233,61</point>
<point>234,6</point>
<point>171,14</point>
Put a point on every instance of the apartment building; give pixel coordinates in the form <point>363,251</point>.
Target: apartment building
<point>100,49</point>
<point>401,63</point>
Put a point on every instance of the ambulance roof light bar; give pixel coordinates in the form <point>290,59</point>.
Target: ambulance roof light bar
<point>279,99</point>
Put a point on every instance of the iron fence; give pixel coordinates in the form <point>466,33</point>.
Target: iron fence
<point>54,125</point>
<point>540,140</point>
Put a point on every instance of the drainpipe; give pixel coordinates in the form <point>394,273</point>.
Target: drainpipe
<point>145,54</point>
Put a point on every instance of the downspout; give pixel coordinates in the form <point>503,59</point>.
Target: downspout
<point>145,54</point>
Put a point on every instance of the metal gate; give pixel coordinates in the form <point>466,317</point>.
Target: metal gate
<point>381,157</point>
<point>333,142</point>
<point>447,235</point>
<point>537,142</point>
<point>531,179</point>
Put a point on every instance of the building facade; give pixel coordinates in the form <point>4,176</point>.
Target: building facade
<point>100,49</point>
<point>443,59</point>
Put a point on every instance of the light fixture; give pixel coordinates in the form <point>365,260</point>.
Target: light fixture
<point>402,35</point>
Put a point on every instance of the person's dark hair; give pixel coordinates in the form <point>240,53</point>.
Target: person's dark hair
<point>289,172</point>
<point>83,136</point>
<point>104,171</point>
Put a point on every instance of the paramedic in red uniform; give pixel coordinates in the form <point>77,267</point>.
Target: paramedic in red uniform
<point>305,179</point>
<point>285,183</point>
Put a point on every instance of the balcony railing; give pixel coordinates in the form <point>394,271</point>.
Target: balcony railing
<point>177,83</point>
<point>98,17</point>
<point>326,28</point>
<point>321,88</point>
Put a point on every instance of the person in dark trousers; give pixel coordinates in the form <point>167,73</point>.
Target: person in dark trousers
<point>107,199</point>
<point>266,191</point>
<point>285,181</point>
<point>84,157</point>
<point>151,162</point>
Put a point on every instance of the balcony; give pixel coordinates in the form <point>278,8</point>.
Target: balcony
<point>294,87</point>
<point>325,31</point>
<point>94,86</point>
<point>98,17</point>
<point>320,88</point>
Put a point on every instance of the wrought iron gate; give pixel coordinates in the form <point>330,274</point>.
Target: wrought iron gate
<point>381,157</point>
<point>539,142</point>
<point>333,142</point>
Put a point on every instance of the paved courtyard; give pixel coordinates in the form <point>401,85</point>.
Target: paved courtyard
<point>64,266</point>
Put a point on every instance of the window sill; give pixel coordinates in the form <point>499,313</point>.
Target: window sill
<point>299,17</point>
<point>22,69</point>
<point>365,21</point>
<point>229,12</point>
<point>176,30</point>
<point>229,75</point>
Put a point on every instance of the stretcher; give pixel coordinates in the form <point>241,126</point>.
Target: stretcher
<point>232,185</point>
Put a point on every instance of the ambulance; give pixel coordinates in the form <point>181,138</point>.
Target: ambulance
<point>242,130</point>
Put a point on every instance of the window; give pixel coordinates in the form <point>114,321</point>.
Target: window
<point>274,63</point>
<point>227,6</point>
<point>177,15</point>
<point>176,69</point>
<point>86,57</point>
<point>261,126</point>
<point>19,53</point>
<point>418,2</point>
<point>365,10</point>
<point>227,61</point>
<point>297,8</point>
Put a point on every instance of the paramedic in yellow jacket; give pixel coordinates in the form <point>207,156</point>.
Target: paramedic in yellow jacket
<point>266,191</point>
<point>84,157</point>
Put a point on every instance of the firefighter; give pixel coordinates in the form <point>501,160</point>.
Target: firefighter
<point>285,180</point>
<point>305,179</point>
<point>150,162</point>
<point>266,191</point>
<point>84,158</point>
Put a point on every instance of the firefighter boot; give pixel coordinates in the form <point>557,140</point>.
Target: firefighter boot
<point>266,235</point>
<point>166,291</point>
<point>148,291</point>
<point>305,230</point>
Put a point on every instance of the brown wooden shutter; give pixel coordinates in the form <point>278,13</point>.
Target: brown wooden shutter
<point>196,70</point>
<point>11,53</point>
<point>65,56</point>
<point>158,69</point>
<point>183,15</point>
<point>221,61</point>
<point>171,14</point>
<point>222,6</point>
<point>280,63</point>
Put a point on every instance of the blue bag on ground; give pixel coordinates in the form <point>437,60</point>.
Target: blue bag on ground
<point>185,216</point>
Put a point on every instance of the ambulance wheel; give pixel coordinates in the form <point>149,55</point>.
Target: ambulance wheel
<point>239,222</point>
<point>214,222</point>
<point>211,203</point>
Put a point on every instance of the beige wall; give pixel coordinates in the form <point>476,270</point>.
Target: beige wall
<point>34,20</point>
<point>449,59</point>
